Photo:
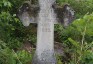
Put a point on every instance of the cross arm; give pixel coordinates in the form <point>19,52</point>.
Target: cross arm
<point>65,14</point>
<point>28,13</point>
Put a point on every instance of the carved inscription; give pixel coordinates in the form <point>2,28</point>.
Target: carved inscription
<point>46,27</point>
<point>46,30</point>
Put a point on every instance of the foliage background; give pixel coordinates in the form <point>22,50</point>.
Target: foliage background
<point>76,38</point>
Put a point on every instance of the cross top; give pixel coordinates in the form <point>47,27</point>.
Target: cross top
<point>65,15</point>
<point>44,3</point>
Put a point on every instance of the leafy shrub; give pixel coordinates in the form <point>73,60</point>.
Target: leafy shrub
<point>8,56</point>
<point>78,40</point>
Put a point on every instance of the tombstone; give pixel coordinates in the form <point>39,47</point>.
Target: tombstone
<point>46,14</point>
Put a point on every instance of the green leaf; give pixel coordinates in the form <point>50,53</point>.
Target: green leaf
<point>76,44</point>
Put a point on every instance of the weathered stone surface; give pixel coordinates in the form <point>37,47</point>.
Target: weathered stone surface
<point>65,14</point>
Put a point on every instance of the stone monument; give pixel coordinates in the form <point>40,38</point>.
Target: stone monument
<point>46,14</point>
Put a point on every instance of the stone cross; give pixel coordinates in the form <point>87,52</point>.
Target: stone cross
<point>45,33</point>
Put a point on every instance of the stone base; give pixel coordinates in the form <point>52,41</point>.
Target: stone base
<point>44,60</point>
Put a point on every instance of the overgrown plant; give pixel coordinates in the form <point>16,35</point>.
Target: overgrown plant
<point>83,53</point>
